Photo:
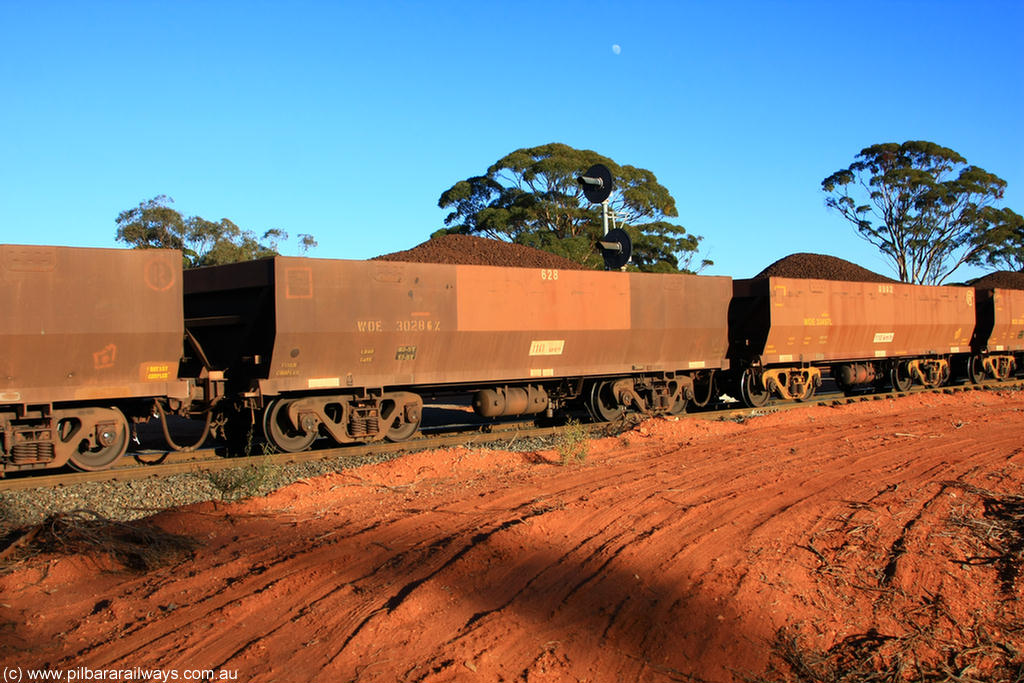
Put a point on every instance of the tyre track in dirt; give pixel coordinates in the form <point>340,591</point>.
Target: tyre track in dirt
<point>673,554</point>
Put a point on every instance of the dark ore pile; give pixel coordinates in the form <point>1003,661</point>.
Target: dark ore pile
<point>479,251</point>
<point>1001,279</point>
<point>820,267</point>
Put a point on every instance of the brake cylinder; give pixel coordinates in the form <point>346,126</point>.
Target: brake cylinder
<point>856,373</point>
<point>510,401</point>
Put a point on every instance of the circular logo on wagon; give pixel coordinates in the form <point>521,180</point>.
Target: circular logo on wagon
<point>159,276</point>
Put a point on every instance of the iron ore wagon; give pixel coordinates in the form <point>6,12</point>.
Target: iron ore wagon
<point>348,349</point>
<point>90,338</point>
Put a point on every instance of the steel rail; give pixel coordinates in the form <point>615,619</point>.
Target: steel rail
<point>207,460</point>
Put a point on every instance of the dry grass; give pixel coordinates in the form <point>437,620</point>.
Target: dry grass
<point>925,641</point>
<point>235,483</point>
<point>998,535</point>
<point>873,657</point>
<point>138,546</point>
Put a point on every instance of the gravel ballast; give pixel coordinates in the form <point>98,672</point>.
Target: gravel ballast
<point>138,498</point>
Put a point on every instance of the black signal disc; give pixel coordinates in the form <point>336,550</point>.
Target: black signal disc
<point>597,192</point>
<point>616,248</point>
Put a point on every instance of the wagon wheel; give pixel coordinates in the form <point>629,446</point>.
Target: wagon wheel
<point>97,442</point>
<point>280,433</point>
<point>751,391</point>
<point>976,369</point>
<point>900,378</point>
<point>398,428</point>
<point>603,404</point>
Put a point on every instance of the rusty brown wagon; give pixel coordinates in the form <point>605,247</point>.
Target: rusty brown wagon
<point>998,342</point>
<point>784,332</point>
<point>347,349</point>
<point>90,338</point>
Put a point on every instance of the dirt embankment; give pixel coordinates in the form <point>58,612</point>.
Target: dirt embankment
<point>680,551</point>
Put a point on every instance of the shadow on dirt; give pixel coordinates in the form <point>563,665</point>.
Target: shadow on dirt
<point>438,604</point>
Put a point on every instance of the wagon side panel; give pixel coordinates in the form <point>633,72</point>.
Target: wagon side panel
<point>824,320</point>
<point>89,324</point>
<point>1007,320</point>
<point>343,324</point>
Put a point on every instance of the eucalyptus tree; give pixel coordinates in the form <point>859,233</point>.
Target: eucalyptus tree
<point>925,208</point>
<point>531,196</point>
<point>154,224</point>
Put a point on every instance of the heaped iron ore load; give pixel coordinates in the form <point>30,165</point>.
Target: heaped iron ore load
<point>1000,279</point>
<point>820,267</point>
<point>367,336</point>
<point>90,336</point>
<point>469,250</point>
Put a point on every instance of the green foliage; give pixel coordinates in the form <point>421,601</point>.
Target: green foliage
<point>235,483</point>
<point>531,197</point>
<point>1006,250</point>
<point>925,208</point>
<point>573,443</point>
<point>153,224</point>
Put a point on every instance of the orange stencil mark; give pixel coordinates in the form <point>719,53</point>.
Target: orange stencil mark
<point>156,371</point>
<point>105,357</point>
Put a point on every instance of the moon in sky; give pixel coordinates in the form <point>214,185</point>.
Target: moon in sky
<point>616,49</point>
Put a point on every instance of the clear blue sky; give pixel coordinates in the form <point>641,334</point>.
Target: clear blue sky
<point>348,120</point>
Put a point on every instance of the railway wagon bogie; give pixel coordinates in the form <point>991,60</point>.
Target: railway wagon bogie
<point>292,424</point>
<point>791,383</point>
<point>86,438</point>
<point>1000,367</point>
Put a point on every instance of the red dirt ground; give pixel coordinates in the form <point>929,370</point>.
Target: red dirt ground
<point>675,552</point>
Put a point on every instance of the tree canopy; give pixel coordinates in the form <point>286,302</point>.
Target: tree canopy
<point>154,224</point>
<point>1006,250</point>
<point>531,197</point>
<point>925,208</point>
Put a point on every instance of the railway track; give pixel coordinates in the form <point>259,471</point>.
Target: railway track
<point>151,464</point>
<point>133,466</point>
